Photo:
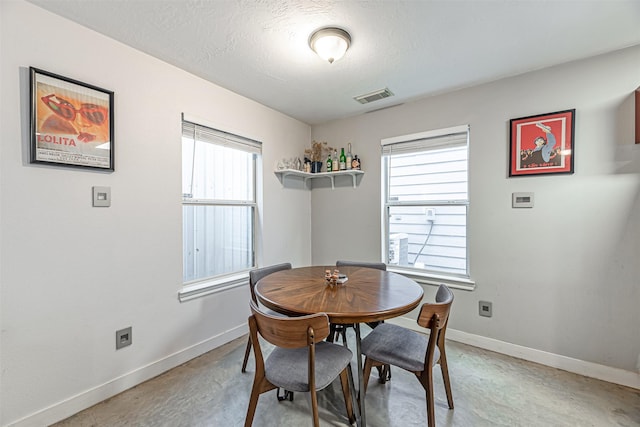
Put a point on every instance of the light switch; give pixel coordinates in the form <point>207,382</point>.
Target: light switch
<point>102,196</point>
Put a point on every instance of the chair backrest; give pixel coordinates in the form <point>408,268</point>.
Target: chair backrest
<point>376,265</point>
<point>258,273</point>
<point>291,332</point>
<point>435,316</point>
<point>444,295</point>
<point>288,332</point>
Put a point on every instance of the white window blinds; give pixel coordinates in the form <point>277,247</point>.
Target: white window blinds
<point>214,136</point>
<point>415,143</point>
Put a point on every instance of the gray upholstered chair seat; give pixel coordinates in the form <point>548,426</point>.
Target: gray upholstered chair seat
<point>289,368</point>
<point>397,346</point>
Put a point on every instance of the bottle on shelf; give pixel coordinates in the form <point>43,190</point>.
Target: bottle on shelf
<point>335,162</point>
<point>343,160</point>
<point>349,158</point>
<point>355,164</point>
<point>329,163</point>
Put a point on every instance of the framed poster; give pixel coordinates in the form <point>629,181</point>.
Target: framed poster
<point>542,144</point>
<point>71,122</point>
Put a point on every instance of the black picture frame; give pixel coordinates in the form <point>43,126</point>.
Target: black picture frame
<point>542,144</point>
<point>71,122</point>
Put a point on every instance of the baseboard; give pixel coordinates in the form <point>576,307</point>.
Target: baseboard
<point>88,398</point>
<point>577,366</point>
<point>68,407</point>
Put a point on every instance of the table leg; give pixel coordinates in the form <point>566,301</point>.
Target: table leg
<point>363,418</point>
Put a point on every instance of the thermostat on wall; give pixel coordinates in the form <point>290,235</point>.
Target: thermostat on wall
<point>522,200</point>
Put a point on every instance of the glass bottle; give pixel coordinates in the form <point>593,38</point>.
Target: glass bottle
<point>336,165</point>
<point>356,162</point>
<point>329,163</point>
<point>343,160</point>
<point>349,158</point>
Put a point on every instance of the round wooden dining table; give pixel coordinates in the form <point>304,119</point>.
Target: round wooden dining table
<point>368,295</point>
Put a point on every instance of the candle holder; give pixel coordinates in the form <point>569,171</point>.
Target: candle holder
<point>335,278</point>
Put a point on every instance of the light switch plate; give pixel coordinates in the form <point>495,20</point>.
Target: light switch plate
<point>522,200</point>
<point>102,196</point>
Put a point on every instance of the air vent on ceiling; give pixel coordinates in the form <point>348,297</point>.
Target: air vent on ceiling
<point>374,96</point>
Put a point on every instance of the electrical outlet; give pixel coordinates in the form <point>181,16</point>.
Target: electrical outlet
<point>431,214</point>
<point>123,338</point>
<point>485,309</point>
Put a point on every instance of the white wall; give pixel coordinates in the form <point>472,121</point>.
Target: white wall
<point>71,274</point>
<point>564,277</point>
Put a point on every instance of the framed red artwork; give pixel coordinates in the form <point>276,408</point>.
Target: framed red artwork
<point>542,144</point>
<point>71,122</point>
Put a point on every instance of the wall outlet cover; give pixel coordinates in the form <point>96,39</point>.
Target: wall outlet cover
<point>485,309</point>
<point>124,337</point>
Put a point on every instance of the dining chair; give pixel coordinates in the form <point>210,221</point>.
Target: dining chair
<point>301,361</point>
<point>412,351</point>
<point>255,275</point>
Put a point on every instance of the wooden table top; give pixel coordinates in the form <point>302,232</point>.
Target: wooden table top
<point>369,294</point>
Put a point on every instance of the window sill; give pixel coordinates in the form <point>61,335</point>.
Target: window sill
<point>199,289</point>
<point>434,279</point>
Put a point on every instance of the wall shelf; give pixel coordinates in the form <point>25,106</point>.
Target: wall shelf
<point>284,173</point>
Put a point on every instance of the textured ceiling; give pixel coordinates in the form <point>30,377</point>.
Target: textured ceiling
<point>415,48</point>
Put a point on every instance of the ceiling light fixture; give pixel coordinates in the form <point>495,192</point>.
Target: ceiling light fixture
<point>330,43</point>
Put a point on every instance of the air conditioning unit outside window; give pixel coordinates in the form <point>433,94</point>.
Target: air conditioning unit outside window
<point>399,249</point>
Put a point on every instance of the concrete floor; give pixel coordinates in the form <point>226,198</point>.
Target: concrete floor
<point>489,389</point>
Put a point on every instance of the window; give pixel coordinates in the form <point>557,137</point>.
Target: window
<point>218,203</point>
<point>425,200</point>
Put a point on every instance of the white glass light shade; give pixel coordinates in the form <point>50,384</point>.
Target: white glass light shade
<point>330,43</point>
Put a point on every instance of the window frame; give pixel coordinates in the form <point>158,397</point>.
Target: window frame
<point>462,281</point>
<point>212,284</point>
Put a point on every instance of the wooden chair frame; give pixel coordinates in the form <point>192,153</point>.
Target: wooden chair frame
<point>435,318</point>
<point>296,332</point>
